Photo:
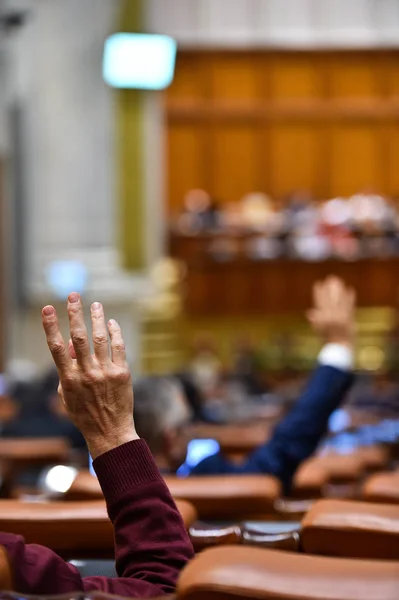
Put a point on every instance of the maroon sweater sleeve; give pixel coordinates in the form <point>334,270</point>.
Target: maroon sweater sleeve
<point>151,543</point>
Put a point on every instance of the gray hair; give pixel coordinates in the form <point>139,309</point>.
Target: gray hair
<point>158,405</point>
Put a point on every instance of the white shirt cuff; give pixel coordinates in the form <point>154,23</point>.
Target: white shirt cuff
<point>338,356</point>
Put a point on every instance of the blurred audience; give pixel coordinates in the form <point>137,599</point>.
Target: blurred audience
<point>162,414</point>
<point>362,225</point>
<point>38,412</point>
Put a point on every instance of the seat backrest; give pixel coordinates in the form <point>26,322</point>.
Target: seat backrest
<point>206,536</point>
<point>351,529</point>
<point>72,528</point>
<point>382,487</point>
<point>340,468</point>
<point>5,571</point>
<point>233,439</point>
<point>375,458</point>
<point>227,496</point>
<point>61,526</point>
<point>28,451</point>
<point>237,573</point>
<point>310,480</point>
<point>84,487</point>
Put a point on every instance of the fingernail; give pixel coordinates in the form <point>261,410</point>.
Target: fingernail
<point>48,311</point>
<point>96,306</point>
<point>73,298</point>
<point>112,323</point>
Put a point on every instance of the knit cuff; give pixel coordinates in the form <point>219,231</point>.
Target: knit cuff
<point>124,467</point>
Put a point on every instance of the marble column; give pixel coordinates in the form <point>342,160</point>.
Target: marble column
<point>70,204</point>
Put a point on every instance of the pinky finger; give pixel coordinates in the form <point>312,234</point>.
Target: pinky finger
<point>118,352</point>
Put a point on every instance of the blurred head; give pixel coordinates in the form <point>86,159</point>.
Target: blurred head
<point>161,416</point>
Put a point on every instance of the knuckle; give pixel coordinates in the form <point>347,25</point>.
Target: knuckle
<point>56,347</point>
<point>79,338</point>
<point>93,378</point>
<point>119,346</point>
<point>100,339</point>
<point>121,376</point>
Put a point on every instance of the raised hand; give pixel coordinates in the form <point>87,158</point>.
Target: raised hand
<point>96,389</point>
<point>333,314</point>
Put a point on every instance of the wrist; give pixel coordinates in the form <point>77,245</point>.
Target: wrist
<point>342,340</point>
<point>99,445</point>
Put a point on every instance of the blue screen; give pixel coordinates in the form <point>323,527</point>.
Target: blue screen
<point>197,451</point>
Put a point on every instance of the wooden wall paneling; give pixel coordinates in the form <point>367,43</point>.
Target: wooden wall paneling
<point>355,74</point>
<point>279,120</point>
<point>234,155</point>
<point>235,77</point>
<point>393,159</point>
<point>187,161</point>
<point>356,157</point>
<point>295,76</point>
<point>271,286</point>
<point>190,81</point>
<point>377,284</point>
<point>296,151</point>
<point>392,69</point>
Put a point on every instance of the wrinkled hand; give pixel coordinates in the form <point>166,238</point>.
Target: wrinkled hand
<point>96,389</point>
<point>333,314</point>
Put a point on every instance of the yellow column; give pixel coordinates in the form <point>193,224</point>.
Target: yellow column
<point>130,156</point>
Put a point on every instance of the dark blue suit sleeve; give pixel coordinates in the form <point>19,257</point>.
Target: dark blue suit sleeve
<point>296,437</point>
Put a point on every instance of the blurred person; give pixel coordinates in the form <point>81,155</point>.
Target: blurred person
<point>200,212</point>
<point>247,367</point>
<point>205,367</point>
<point>257,212</point>
<point>151,544</point>
<point>39,415</point>
<point>300,432</point>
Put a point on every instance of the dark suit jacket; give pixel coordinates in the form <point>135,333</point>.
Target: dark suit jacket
<point>296,437</point>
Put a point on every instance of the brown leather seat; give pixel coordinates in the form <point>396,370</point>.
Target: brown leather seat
<point>310,480</point>
<point>230,496</point>
<point>341,468</point>
<point>205,536</point>
<point>84,487</point>
<point>375,458</point>
<point>6,582</point>
<point>35,451</point>
<point>382,487</point>
<point>316,474</point>
<point>17,454</point>
<point>233,439</point>
<point>331,527</point>
<point>234,573</point>
<point>213,497</point>
<point>351,529</point>
<point>80,528</point>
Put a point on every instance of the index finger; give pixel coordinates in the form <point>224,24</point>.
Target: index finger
<point>55,341</point>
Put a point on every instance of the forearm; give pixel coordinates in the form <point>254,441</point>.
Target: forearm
<point>308,419</point>
<point>299,434</point>
<point>151,542</point>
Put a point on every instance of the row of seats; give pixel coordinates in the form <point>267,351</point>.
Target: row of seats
<point>331,527</point>
<point>241,496</point>
<point>320,476</point>
<point>234,572</point>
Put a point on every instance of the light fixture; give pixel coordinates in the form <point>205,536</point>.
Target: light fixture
<point>139,61</point>
<point>57,480</point>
